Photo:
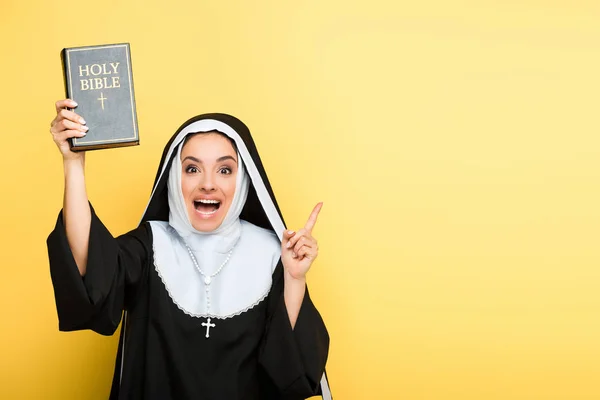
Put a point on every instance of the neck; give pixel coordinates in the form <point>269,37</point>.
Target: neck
<point>221,240</point>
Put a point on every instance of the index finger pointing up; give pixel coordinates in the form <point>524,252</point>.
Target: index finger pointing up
<point>312,220</point>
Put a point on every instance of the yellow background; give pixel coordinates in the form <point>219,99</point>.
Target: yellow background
<point>454,143</point>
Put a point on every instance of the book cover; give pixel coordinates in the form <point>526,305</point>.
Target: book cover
<point>100,80</point>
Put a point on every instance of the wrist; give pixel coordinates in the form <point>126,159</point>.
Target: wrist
<point>76,161</point>
<point>289,279</point>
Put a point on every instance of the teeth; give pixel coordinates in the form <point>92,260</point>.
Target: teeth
<point>207,213</point>
<point>208,201</point>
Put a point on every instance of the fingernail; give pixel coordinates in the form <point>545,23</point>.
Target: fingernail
<point>74,103</point>
<point>294,255</point>
<point>290,232</point>
<point>85,128</point>
<point>82,121</point>
<point>288,245</point>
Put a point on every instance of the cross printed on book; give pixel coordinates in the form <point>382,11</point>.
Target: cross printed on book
<point>102,98</point>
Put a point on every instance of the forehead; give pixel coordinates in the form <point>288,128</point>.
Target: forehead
<point>208,143</point>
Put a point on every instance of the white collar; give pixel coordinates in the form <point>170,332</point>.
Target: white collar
<point>241,285</point>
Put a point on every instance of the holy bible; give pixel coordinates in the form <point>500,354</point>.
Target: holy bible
<point>100,80</point>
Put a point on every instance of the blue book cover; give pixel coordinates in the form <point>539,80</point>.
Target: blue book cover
<point>100,80</point>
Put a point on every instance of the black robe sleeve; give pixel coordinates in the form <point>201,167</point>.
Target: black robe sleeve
<point>294,359</point>
<point>96,301</point>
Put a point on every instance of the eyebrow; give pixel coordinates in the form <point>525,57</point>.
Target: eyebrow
<point>220,159</point>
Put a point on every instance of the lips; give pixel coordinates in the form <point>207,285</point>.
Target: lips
<point>207,206</point>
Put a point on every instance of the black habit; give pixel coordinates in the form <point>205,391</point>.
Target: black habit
<point>163,352</point>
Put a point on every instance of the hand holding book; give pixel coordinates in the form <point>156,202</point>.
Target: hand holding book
<point>65,126</point>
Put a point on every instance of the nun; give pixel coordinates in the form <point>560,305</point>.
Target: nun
<point>210,288</point>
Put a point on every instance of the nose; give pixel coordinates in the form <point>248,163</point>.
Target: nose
<point>207,184</point>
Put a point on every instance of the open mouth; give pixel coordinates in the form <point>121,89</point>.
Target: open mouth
<point>207,207</point>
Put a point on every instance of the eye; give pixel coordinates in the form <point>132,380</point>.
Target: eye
<point>225,170</point>
<point>191,169</point>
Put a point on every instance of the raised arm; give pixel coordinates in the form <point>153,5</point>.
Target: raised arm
<point>298,251</point>
<point>76,209</point>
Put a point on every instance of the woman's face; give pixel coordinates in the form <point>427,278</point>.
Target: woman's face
<point>208,177</point>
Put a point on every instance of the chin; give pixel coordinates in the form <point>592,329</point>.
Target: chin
<point>205,225</point>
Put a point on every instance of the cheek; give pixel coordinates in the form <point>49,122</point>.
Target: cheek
<point>187,187</point>
<point>229,189</point>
